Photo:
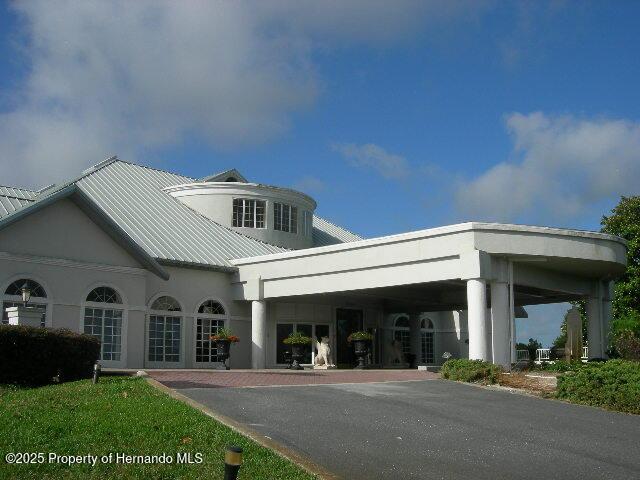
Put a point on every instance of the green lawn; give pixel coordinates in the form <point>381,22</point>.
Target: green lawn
<point>121,415</point>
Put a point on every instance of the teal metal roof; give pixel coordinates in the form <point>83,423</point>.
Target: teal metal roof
<point>167,230</point>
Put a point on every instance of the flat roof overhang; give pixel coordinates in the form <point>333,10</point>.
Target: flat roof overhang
<point>554,264</point>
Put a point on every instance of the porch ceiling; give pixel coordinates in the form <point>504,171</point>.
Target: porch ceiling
<point>430,297</point>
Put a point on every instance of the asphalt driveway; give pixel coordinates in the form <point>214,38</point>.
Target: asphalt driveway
<point>435,429</point>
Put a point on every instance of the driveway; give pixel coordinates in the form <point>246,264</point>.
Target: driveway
<point>435,429</point>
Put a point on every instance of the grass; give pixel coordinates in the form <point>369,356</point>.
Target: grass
<point>127,415</point>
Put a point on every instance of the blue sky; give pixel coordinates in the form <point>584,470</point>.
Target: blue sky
<point>395,116</point>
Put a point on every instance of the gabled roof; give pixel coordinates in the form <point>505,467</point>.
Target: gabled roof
<point>74,193</point>
<point>223,176</point>
<point>131,197</point>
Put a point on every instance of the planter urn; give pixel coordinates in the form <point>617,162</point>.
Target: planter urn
<point>223,351</point>
<point>361,349</point>
<point>297,352</point>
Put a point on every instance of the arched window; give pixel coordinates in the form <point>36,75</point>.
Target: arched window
<point>167,304</point>
<point>103,320</point>
<point>402,322</point>
<point>16,288</point>
<point>104,295</point>
<point>211,307</point>
<point>208,322</point>
<point>13,298</point>
<point>165,331</point>
<point>428,353</point>
<point>427,324</point>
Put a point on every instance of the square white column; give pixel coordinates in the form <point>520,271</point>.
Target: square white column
<point>594,331</point>
<point>500,324</point>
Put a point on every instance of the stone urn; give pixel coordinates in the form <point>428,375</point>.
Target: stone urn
<point>223,351</point>
<point>361,349</point>
<point>297,352</point>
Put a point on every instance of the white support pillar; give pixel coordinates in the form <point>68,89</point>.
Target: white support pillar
<point>477,308</point>
<point>415,336</point>
<point>500,328</point>
<point>258,333</point>
<point>594,332</point>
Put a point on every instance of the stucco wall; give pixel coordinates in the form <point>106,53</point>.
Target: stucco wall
<point>62,230</point>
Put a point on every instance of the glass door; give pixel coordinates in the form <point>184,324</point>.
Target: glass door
<point>348,320</point>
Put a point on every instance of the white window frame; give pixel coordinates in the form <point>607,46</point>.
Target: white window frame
<point>124,328</point>
<point>46,301</point>
<point>164,313</point>
<point>207,316</point>
<point>243,208</point>
<point>404,334</point>
<point>279,210</point>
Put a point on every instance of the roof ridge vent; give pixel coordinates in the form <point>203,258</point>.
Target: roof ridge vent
<point>100,164</point>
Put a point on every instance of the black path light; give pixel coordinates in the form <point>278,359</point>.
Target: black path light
<point>26,293</point>
<point>97,369</point>
<point>232,462</point>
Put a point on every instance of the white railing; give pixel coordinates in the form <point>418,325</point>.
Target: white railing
<point>522,355</point>
<point>585,353</point>
<point>543,354</point>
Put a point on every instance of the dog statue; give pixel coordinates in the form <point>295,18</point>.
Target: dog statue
<point>396,352</point>
<point>323,357</point>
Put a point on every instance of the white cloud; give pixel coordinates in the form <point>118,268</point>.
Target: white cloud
<point>562,167</point>
<point>309,184</point>
<point>372,156</point>
<point>130,77</point>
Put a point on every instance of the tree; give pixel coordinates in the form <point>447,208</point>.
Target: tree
<point>624,222</point>
<point>532,346</point>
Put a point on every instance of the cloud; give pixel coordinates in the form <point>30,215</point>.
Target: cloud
<point>562,166</point>
<point>374,157</point>
<point>309,184</point>
<point>135,77</point>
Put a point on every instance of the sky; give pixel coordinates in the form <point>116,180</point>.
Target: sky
<point>394,116</point>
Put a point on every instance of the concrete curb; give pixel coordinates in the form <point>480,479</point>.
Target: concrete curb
<point>293,456</point>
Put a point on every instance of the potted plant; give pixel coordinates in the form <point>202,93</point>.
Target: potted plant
<point>297,341</point>
<point>223,339</point>
<point>361,343</point>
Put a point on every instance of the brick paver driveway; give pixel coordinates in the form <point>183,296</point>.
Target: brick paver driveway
<point>263,378</point>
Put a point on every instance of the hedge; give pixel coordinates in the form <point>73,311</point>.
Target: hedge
<point>614,385</point>
<point>34,356</point>
<point>465,370</point>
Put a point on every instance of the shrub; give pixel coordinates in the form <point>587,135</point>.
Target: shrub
<point>470,370</point>
<point>297,338</point>
<point>627,345</point>
<point>34,356</point>
<point>614,385</point>
<point>360,335</point>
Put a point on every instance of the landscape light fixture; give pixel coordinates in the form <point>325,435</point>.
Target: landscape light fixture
<point>26,293</point>
<point>232,462</point>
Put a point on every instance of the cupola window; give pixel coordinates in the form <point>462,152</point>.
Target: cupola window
<point>248,213</point>
<point>285,218</point>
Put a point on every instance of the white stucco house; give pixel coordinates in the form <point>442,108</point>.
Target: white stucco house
<point>153,262</point>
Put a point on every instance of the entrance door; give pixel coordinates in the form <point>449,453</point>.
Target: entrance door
<point>348,320</point>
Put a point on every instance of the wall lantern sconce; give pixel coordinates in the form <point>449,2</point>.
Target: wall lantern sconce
<point>26,293</point>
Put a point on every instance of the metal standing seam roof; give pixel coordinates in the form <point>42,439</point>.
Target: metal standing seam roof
<point>131,195</point>
<point>13,199</point>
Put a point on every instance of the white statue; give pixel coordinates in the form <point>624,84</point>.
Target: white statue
<point>323,357</point>
<point>396,352</point>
